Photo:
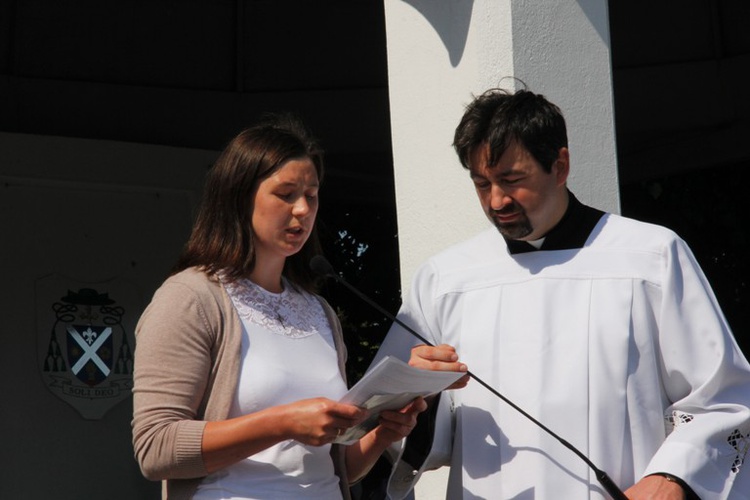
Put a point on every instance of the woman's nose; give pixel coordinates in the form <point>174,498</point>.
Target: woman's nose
<point>301,206</point>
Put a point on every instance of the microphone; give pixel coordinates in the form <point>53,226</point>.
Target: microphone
<point>321,266</point>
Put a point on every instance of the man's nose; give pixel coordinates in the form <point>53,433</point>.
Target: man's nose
<point>499,199</point>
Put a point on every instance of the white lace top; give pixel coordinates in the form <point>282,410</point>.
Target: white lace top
<point>290,313</point>
<point>288,354</point>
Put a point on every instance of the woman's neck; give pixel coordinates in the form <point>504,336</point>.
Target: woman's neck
<point>267,274</point>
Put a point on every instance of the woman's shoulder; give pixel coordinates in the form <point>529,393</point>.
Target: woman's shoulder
<point>194,281</point>
<point>188,295</point>
<point>194,277</point>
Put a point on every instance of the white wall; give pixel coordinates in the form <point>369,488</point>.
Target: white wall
<point>442,53</point>
<point>439,54</point>
<point>562,50</point>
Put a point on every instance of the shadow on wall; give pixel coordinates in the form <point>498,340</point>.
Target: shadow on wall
<point>453,29</point>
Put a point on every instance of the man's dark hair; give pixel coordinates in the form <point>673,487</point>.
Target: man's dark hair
<point>498,117</point>
<point>222,235</point>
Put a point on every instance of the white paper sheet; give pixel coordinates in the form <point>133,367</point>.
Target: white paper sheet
<point>390,385</point>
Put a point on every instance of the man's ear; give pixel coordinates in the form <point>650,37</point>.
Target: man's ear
<point>561,167</point>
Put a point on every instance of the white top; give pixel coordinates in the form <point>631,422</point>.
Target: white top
<point>288,354</point>
<point>619,347</point>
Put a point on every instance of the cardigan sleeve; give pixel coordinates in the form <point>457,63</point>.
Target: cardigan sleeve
<point>173,364</point>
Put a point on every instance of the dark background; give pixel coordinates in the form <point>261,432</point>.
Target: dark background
<point>192,73</point>
<point>681,108</point>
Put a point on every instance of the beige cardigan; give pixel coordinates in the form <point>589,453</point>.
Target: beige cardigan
<point>187,362</point>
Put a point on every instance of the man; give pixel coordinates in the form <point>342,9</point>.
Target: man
<point>602,328</point>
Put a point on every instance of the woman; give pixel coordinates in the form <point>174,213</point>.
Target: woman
<point>238,364</point>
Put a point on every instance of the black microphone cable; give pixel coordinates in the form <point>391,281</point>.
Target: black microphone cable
<point>321,266</point>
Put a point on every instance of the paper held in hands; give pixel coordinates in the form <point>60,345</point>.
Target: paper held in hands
<point>390,385</point>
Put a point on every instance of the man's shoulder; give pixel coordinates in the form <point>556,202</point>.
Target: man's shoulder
<point>464,264</point>
<point>618,230</point>
<point>485,246</point>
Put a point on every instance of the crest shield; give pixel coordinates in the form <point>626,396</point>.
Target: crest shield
<point>86,340</point>
<point>90,352</point>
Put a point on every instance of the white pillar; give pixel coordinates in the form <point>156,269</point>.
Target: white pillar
<point>562,50</point>
<point>440,53</point>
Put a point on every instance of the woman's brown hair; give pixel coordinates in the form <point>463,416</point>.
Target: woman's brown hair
<point>222,235</point>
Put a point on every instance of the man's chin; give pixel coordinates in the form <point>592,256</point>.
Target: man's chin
<point>514,231</point>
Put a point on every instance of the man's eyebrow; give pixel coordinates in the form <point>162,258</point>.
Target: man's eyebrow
<point>494,173</point>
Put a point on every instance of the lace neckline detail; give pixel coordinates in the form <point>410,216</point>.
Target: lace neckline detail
<point>291,313</point>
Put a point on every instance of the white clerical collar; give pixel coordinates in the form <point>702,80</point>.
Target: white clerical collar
<point>537,243</point>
